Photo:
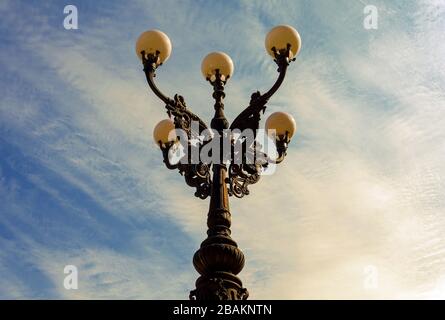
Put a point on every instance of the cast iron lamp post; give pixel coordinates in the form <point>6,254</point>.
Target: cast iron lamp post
<point>219,259</point>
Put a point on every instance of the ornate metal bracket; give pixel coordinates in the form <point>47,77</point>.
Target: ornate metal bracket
<point>196,175</point>
<point>242,175</point>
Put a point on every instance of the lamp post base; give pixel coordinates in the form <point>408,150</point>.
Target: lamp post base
<point>218,261</point>
<point>219,286</point>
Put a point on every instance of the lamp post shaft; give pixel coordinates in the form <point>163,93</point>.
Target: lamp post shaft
<point>219,259</point>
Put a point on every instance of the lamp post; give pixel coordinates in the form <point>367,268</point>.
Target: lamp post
<point>219,260</point>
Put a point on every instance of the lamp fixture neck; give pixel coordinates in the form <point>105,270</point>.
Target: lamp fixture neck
<point>219,121</point>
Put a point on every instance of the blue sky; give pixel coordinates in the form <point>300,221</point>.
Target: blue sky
<point>82,183</point>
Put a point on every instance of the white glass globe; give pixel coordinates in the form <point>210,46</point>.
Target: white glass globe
<point>154,40</point>
<point>164,132</point>
<point>280,36</point>
<point>214,61</point>
<point>282,123</point>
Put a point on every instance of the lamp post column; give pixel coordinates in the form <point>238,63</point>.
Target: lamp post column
<point>219,259</point>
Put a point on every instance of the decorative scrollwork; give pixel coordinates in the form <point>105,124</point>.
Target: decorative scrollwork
<point>240,177</point>
<point>250,117</point>
<point>198,176</point>
<point>195,175</point>
<point>183,117</point>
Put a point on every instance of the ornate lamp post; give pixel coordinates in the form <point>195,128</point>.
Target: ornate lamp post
<point>219,259</point>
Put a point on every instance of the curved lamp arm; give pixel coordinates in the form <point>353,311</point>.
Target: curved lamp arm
<point>250,117</point>
<point>281,144</point>
<point>176,107</point>
<point>150,63</point>
<point>150,79</point>
<point>195,175</point>
<point>282,68</point>
<point>165,148</point>
<point>243,175</point>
